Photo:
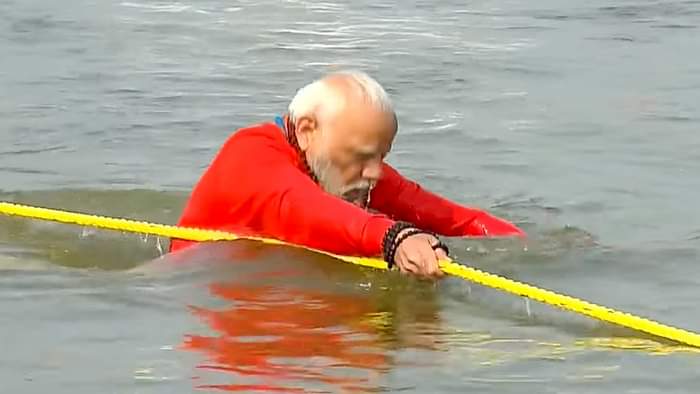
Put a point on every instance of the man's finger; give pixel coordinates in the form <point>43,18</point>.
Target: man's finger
<point>406,263</point>
<point>428,261</point>
<point>438,254</point>
<point>407,268</point>
<point>441,255</point>
<point>438,271</point>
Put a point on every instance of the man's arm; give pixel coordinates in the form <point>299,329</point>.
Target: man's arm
<point>404,199</point>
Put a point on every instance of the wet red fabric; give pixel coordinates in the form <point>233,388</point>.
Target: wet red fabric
<point>257,185</point>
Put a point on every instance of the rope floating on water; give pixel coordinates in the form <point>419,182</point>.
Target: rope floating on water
<point>448,266</point>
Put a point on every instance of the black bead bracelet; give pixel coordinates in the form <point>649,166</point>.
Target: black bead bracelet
<point>389,243</point>
<point>391,240</point>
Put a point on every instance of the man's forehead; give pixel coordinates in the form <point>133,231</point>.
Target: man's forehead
<point>368,119</point>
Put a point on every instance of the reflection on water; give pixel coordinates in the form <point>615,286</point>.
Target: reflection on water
<point>285,336</point>
<point>296,337</point>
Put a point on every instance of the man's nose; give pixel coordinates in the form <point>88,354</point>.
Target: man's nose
<point>372,170</point>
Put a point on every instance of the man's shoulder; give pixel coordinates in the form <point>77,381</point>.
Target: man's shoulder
<point>255,144</point>
<point>263,133</point>
<point>257,138</point>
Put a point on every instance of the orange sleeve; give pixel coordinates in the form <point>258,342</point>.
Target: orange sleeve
<point>406,200</point>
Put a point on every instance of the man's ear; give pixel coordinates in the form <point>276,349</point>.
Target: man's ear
<point>305,129</point>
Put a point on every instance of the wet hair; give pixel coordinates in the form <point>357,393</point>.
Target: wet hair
<point>321,99</point>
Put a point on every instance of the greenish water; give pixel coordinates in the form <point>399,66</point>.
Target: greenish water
<point>577,121</point>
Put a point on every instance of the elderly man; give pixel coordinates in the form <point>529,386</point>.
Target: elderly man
<point>316,177</point>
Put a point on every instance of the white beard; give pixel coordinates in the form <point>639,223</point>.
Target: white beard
<point>328,176</point>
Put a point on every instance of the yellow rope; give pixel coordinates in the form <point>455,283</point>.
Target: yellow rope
<point>448,266</point>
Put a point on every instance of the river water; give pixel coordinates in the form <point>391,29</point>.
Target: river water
<point>576,120</point>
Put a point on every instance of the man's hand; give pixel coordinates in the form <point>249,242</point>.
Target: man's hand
<point>416,255</point>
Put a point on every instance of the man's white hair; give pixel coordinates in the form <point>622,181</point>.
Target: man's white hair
<point>320,99</point>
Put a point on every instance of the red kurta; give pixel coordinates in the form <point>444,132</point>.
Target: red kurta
<point>256,185</point>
